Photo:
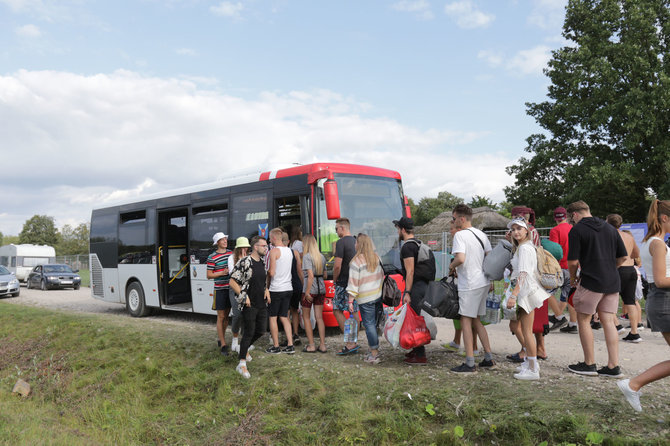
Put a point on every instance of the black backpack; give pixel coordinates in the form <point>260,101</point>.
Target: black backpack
<point>424,263</point>
<point>391,295</point>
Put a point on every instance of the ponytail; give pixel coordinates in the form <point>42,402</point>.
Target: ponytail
<point>657,208</point>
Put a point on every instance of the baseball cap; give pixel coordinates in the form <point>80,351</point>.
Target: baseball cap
<point>404,223</point>
<point>560,213</point>
<point>218,236</point>
<point>519,222</point>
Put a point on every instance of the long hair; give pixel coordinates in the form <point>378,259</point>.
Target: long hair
<point>366,249</point>
<point>657,208</point>
<point>515,243</point>
<point>310,247</point>
<point>237,254</point>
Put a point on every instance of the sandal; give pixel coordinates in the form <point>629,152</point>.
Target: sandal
<point>543,358</point>
<point>515,358</point>
<point>304,349</point>
<point>347,351</point>
<point>322,351</point>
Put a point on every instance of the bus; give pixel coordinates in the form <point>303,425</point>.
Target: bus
<point>152,253</point>
<point>21,259</point>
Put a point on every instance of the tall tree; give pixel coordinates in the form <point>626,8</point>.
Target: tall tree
<point>429,208</point>
<point>607,120</point>
<point>39,230</point>
<point>479,201</point>
<point>73,240</point>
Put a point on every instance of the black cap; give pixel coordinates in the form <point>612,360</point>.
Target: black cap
<point>405,223</point>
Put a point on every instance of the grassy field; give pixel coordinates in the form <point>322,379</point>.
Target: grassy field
<point>116,380</point>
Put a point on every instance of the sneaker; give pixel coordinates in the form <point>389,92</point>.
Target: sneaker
<point>464,368</point>
<point>416,360</point>
<point>289,350</point>
<point>224,350</point>
<point>452,346</point>
<point>552,319</point>
<point>524,365</point>
<point>242,370</point>
<point>640,326</point>
<point>284,343</point>
<point>606,372</point>
<point>596,325</point>
<point>528,375</point>
<point>632,338</point>
<point>581,368</point>
<point>631,395</point>
<point>623,317</point>
<point>296,340</point>
<point>235,348</point>
<point>371,359</point>
<point>249,358</point>
<point>559,323</point>
<point>410,354</point>
<point>620,328</point>
<point>569,329</point>
<point>487,363</point>
<point>272,349</point>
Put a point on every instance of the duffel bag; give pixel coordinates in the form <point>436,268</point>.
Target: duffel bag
<point>441,299</point>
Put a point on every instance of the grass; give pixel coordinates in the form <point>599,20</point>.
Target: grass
<point>117,380</point>
<point>85,275</point>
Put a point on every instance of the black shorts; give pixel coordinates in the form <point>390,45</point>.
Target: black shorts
<point>296,296</point>
<point>279,303</point>
<point>628,276</point>
<point>221,299</point>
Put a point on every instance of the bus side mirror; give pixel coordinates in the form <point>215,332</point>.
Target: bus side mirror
<point>332,199</point>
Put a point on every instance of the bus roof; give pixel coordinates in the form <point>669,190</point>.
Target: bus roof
<point>314,171</point>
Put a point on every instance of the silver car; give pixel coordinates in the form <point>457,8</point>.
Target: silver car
<point>9,284</point>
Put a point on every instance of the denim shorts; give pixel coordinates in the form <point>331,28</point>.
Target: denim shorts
<point>341,299</point>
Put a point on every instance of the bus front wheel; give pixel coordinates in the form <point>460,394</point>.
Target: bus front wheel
<point>135,300</point>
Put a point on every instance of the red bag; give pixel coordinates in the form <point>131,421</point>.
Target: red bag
<point>414,332</point>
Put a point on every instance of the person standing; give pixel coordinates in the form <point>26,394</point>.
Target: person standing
<point>656,262</point>
<point>345,249</point>
<point>281,290</point>
<point>597,249</point>
<point>248,280</point>
<point>628,278</point>
<point>416,277</point>
<point>218,269</point>
<point>470,247</point>
<point>314,293</point>
<point>559,234</point>
<point>241,250</point>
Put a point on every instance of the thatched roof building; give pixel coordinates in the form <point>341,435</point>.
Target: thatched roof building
<point>483,218</point>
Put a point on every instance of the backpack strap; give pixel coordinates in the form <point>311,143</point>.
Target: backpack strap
<point>478,239</point>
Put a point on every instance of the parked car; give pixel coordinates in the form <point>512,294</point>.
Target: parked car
<point>53,275</point>
<point>9,284</point>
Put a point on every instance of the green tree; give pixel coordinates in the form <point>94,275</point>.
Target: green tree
<point>2,238</point>
<point>479,201</point>
<point>11,239</point>
<point>40,230</point>
<point>429,208</point>
<point>606,122</point>
<point>73,240</point>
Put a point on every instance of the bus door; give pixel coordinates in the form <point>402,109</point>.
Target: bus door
<point>292,213</point>
<point>173,260</point>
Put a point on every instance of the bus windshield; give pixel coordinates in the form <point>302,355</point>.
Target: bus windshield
<point>371,204</point>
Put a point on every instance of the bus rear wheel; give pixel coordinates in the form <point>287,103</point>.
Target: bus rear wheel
<point>135,301</point>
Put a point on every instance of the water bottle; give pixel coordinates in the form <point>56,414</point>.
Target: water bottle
<point>387,312</point>
<point>351,329</point>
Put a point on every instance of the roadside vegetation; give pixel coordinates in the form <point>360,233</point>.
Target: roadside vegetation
<point>116,380</point>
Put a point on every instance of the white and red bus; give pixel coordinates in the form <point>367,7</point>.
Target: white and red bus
<point>152,253</point>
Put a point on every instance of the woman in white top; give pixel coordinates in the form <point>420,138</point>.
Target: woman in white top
<point>656,262</point>
<point>527,294</point>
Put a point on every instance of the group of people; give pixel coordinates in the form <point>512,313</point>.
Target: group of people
<point>261,281</point>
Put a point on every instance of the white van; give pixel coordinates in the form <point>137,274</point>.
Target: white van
<point>21,259</point>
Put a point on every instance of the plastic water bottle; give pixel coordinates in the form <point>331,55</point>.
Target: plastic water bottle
<point>387,312</point>
<point>351,329</point>
<point>493,308</point>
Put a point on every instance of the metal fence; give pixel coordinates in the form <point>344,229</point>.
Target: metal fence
<point>78,261</point>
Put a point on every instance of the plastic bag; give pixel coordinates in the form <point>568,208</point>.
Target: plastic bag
<point>492,315</point>
<point>414,332</point>
<point>393,325</point>
<point>430,323</point>
<point>509,314</point>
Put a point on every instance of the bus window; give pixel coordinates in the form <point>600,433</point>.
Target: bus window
<point>205,222</point>
<point>134,246</point>
<point>250,214</point>
<point>288,213</point>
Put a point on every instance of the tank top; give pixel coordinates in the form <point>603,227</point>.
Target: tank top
<point>647,261</point>
<point>282,278</point>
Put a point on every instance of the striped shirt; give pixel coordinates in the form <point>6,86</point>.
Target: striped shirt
<point>216,262</point>
<point>364,286</point>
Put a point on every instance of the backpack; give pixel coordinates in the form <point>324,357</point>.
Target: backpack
<point>495,263</point>
<point>424,267</point>
<point>391,295</point>
<point>549,271</point>
<point>441,299</point>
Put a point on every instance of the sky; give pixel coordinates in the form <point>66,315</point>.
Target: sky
<point>102,101</point>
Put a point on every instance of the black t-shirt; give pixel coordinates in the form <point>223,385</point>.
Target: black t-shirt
<point>345,249</point>
<point>597,245</point>
<point>256,290</point>
<point>409,250</point>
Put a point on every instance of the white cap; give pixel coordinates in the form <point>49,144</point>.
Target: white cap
<point>519,222</point>
<point>218,236</point>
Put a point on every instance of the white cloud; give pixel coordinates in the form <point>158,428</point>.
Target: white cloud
<point>531,61</point>
<point>92,139</point>
<point>467,15</point>
<point>493,58</point>
<point>228,9</point>
<point>547,14</point>
<point>420,8</point>
<point>31,31</point>
<point>186,52</point>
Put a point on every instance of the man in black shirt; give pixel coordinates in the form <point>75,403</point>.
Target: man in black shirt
<point>248,280</point>
<point>597,249</point>
<point>345,250</point>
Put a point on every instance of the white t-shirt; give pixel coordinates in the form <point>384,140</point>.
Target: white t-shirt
<point>470,273</point>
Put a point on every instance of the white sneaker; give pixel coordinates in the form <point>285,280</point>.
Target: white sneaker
<point>631,395</point>
<point>242,370</point>
<point>235,347</point>
<point>528,375</point>
<point>524,365</point>
<point>249,358</point>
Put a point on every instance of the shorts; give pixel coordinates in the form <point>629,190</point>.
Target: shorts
<point>588,302</point>
<point>295,299</point>
<point>472,303</point>
<point>658,308</point>
<point>565,289</point>
<point>341,299</point>
<point>279,303</point>
<point>317,299</point>
<point>628,276</point>
<point>221,299</point>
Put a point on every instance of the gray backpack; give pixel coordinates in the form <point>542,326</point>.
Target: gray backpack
<point>497,260</point>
